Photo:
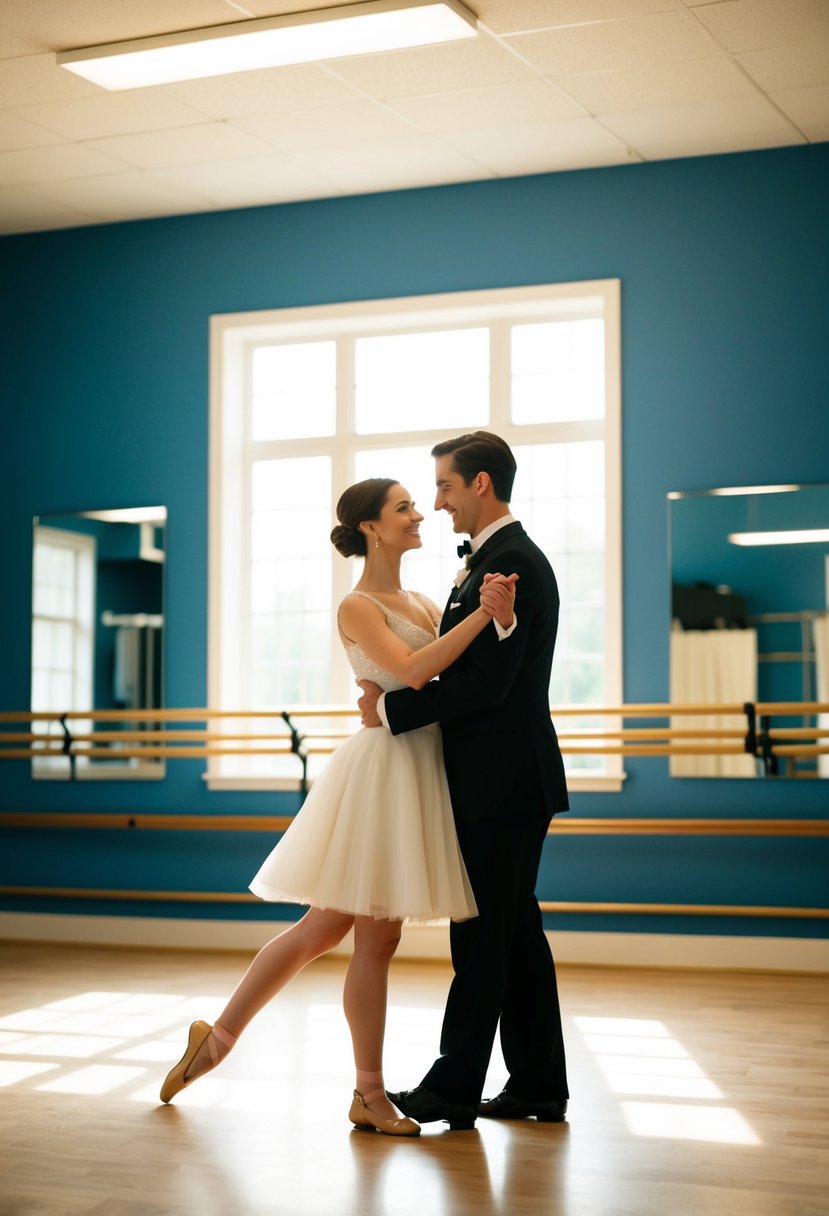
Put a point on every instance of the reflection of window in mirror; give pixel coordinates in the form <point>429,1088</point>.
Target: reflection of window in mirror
<point>62,627</point>
<point>97,641</point>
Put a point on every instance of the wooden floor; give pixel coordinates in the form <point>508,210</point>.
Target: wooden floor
<point>693,1094</point>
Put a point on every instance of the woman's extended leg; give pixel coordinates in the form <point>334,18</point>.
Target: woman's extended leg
<point>318,931</point>
<point>364,1000</point>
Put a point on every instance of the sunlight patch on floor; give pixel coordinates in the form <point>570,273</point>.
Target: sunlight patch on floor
<point>718,1124</point>
<point>640,1057</point>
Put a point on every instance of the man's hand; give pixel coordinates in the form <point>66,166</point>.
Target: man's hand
<point>498,597</point>
<point>367,703</point>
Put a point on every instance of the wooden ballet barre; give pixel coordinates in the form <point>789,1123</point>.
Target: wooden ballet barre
<point>646,710</point>
<point>158,752</point>
<point>157,744</point>
<point>649,710</point>
<point>796,709</point>
<point>655,749</point>
<point>556,906</point>
<point>737,732</point>
<point>572,825</point>
<point>802,750</point>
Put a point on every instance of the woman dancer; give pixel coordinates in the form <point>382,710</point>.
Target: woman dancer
<point>374,843</point>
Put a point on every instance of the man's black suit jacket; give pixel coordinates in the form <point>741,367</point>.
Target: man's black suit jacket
<point>500,747</point>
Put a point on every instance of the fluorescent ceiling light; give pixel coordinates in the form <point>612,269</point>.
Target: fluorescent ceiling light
<point>330,33</point>
<point>129,515</point>
<point>801,536</point>
<point>727,491</point>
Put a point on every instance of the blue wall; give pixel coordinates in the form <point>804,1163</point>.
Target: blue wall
<point>724,263</point>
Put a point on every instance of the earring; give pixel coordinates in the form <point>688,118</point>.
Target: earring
<point>376,542</point>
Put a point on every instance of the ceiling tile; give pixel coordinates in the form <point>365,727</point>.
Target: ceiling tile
<point>269,91</point>
<point>397,165</point>
<point>630,42</point>
<point>797,66</point>
<point>668,77</point>
<point>663,84</point>
<point>720,144</point>
<point>336,127</point>
<point>433,69</point>
<point>526,101</point>
<point>112,114</point>
<point>182,146</point>
<point>280,8</point>
<point>120,196</point>
<point>17,133</point>
<point>570,143</point>
<point>512,16</point>
<point>28,27</point>
<point>253,182</point>
<point>702,120</point>
<point>807,108</point>
<point>750,25</point>
<point>24,212</point>
<point>53,163</point>
<point>36,78</point>
<point>20,203</point>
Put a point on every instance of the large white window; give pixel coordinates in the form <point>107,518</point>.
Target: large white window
<point>306,401</point>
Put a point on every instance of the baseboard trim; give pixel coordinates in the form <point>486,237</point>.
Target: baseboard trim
<point>431,942</point>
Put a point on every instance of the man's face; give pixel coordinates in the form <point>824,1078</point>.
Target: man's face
<point>460,502</point>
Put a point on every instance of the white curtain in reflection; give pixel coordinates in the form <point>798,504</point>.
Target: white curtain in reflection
<point>820,633</point>
<point>713,667</point>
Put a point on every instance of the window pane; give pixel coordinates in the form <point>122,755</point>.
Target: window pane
<point>294,390</point>
<point>558,498</point>
<point>291,585</point>
<point>422,381</point>
<point>557,371</point>
<point>290,581</point>
<point>290,656</point>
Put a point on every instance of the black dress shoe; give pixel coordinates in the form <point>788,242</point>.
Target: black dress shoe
<point>507,1106</point>
<point>427,1107</point>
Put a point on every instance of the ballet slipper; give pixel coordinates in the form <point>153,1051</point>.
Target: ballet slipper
<point>364,1119</point>
<point>175,1079</point>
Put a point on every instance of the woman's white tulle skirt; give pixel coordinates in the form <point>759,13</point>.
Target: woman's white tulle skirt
<point>375,836</point>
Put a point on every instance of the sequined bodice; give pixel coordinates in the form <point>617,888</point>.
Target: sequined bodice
<point>414,636</point>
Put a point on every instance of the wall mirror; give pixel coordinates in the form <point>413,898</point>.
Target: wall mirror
<point>749,596</point>
<point>97,637</point>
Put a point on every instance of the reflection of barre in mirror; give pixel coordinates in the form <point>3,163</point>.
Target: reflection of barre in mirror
<point>97,641</point>
<point>750,620</point>
<point>185,734</point>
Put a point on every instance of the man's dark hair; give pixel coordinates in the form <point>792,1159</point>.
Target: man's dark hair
<point>481,452</point>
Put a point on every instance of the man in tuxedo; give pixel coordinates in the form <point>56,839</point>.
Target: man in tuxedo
<point>506,779</point>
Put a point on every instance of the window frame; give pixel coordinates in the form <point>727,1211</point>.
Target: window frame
<point>231,336</point>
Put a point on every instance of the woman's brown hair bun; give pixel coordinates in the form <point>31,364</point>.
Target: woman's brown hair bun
<point>357,504</point>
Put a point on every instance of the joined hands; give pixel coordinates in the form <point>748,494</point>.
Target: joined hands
<point>497,601</point>
<point>498,597</point>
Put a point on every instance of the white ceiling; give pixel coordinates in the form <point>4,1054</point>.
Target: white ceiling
<point>547,85</point>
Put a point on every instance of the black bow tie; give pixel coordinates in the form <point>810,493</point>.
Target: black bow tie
<point>465,549</point>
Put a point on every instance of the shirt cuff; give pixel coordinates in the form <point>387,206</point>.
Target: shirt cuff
<point>503,633</point>
<point>381,710</point>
